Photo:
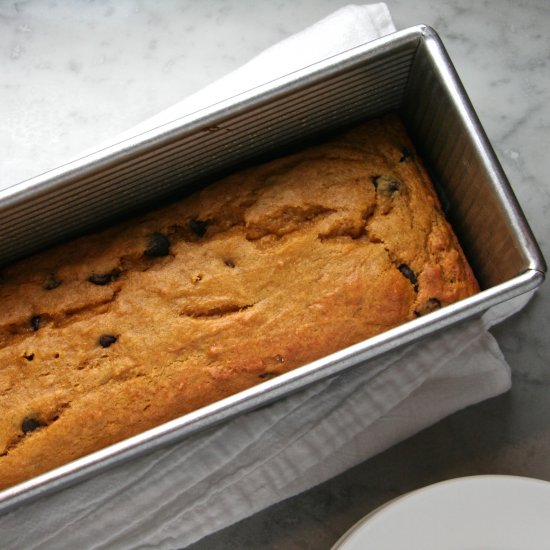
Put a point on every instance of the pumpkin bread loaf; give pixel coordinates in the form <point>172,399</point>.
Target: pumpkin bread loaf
<point>268,269</point>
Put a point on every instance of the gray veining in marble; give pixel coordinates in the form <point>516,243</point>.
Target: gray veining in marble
<point>73,77</point>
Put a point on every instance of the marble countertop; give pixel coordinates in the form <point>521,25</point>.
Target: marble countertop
<point>130,59</point>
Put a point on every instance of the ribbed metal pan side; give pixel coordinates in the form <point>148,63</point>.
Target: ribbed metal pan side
<point>485,214</point>
<point>79,200</point>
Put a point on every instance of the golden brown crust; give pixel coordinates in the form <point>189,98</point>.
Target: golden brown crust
<point>266,270</point>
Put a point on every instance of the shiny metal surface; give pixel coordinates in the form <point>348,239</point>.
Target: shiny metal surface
<point>449,136</point>
<point>408,72</point>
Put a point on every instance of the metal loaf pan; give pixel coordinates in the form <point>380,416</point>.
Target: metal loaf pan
<point>408,72</point>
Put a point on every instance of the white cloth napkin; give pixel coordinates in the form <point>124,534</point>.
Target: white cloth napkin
<point>184,492</point>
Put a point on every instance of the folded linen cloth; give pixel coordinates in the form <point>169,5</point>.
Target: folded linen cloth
<point>344,29</point>
<point>181,493</point>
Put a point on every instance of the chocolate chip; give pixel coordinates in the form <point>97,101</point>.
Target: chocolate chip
<point>229,263</point>
<point>407,155</point>
<point>198,227</point>
<point>106,340</point>
<point>433,304</point>
<point>386,185</point>
<point>408,273</point>
<point>28,356</point>
<point>104,278</point>
<point>36,320</point>
<point>51,282</point>
<point>159,245</point>
<point>30,424</point>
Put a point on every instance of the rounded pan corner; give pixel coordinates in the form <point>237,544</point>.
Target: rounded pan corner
<point>427,32</point>
<point>537,275</point>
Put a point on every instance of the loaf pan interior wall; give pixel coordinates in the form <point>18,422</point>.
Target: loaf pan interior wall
<point>483,211</point>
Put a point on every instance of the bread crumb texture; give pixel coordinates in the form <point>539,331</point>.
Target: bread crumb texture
<point>270,268</point>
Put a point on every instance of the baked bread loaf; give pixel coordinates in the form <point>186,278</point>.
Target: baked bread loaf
<point>116,332</point>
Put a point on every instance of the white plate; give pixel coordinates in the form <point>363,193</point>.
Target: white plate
<point>469,513</point>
